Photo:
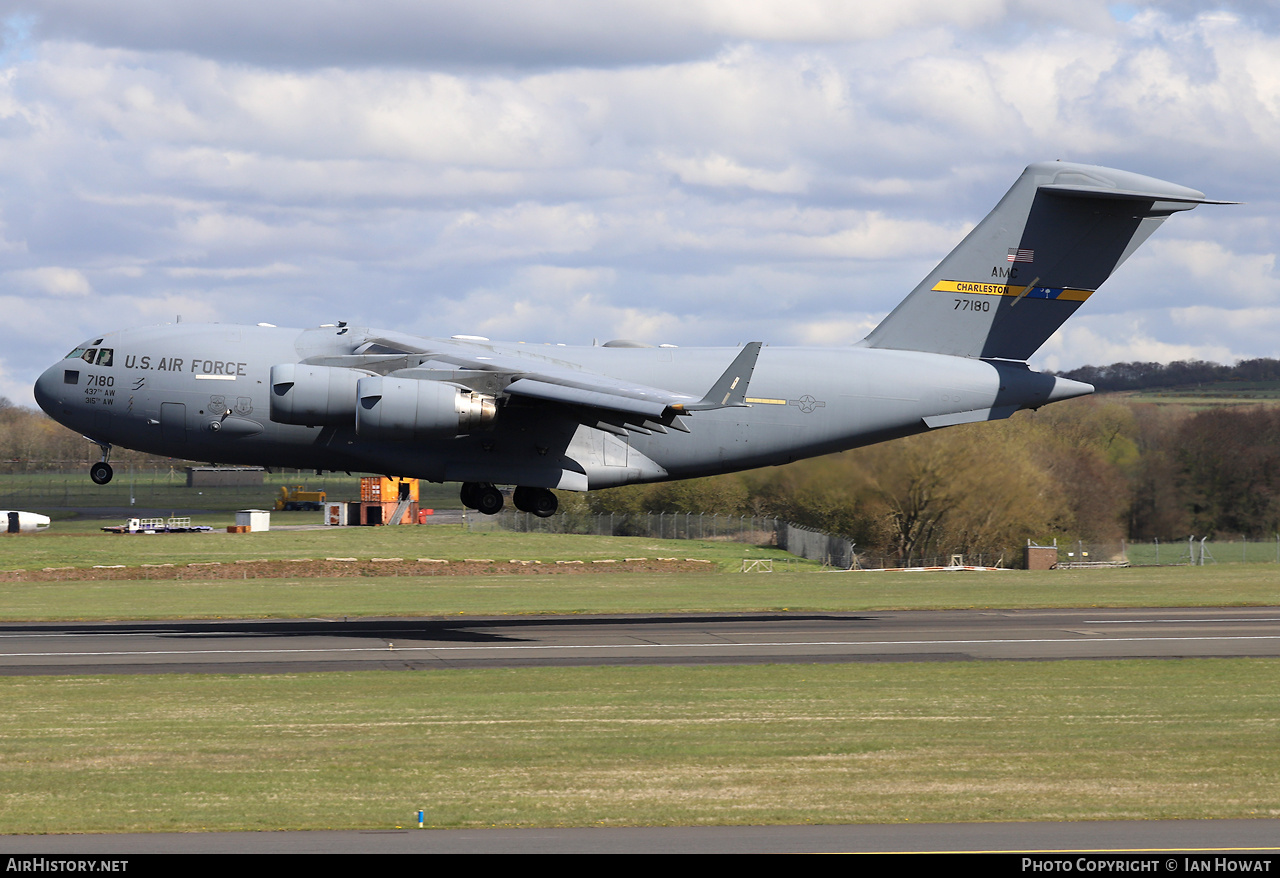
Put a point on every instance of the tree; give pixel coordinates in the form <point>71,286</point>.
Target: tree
<point>1229,462</point>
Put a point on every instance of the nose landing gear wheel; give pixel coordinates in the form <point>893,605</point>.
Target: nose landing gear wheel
<point>101,473</point>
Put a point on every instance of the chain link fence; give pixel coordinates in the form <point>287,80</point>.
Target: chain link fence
<point>1193,550</point>
<point>158,487</point>
<point>834,551</point>
<point>839,552</point>
<point>757,530</point>
<point>957,558</point>
<point>164,486</point>
<point>830,549</point>
<point>1123,553</point>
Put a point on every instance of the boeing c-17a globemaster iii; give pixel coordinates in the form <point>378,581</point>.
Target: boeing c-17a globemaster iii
<point>484,413</point>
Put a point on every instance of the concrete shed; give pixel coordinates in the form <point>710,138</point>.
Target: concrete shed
<point>256,519</point>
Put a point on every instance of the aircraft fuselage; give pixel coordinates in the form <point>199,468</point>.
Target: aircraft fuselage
<point>203,392</point>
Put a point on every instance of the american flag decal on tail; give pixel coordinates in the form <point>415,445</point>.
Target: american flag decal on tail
<point>1016,255</point>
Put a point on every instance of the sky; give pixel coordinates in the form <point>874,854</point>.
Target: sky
<point>686,172</point>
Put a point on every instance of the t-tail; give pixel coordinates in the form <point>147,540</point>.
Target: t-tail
<point>1051,241</point>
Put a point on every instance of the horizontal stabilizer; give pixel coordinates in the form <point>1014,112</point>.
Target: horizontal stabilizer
<point>1189,196</point>
<point>998,413</point>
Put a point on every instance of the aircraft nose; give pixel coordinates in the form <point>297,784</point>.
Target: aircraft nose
<point>48,390</point>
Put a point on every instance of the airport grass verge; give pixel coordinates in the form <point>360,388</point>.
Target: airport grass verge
<point>612,593</point>
<point>250,583</point>
<point>776,744</point>
<point>85,545</point>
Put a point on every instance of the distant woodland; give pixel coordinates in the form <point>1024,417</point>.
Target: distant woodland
<point>1097,469</point>
<point>31,441</point>
<point>1184,373</point>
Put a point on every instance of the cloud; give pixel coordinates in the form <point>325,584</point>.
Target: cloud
<point>1237,278</point>
<point>722,171</point>
<point>275,269</point>
<point>61,283</point>
<point>704,172</point>
<point>552,304</point>
<point>13,385</point>
<point>501,33</point>
<point>1121,342</point>
<point>828,333</point>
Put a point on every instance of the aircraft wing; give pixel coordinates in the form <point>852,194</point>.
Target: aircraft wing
<point>387,369</point>
<point>602,392</point>
<point>631,399</point>
<point>548,381</point>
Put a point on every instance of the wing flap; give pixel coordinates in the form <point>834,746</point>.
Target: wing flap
<point>610,398</point>
<point>651,404</point>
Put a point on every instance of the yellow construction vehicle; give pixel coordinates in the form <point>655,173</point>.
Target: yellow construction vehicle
<point>299,498</point>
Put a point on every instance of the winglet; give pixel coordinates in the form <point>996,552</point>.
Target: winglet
<point>730,389</point>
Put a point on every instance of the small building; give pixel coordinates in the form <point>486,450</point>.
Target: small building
<point>383,500</point>
<point>1040,557</point>
<point>255,519</point>
<point>224,476</point>
<point>388,489</point>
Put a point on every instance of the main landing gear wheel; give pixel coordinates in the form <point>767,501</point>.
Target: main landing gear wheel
<point>481,497</point>
<point>468,494</point>
<point>540,501</point>
<point>489,500</point>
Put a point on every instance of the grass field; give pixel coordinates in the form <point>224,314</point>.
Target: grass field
<point>796,585</point>
<point>1210,394</point>
<point>643,746</point>
<point>1245,585</point>
<point>931,741</point>
<point>83,544</point>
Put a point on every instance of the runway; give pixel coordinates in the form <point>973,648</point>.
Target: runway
<point>1227,839</point>
<point>294,646</point>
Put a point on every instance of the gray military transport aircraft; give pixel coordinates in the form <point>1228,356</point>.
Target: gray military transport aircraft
<point>483,413</point>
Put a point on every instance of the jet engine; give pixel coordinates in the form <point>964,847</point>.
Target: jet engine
<point>402,409</point>
<point>314,395</point>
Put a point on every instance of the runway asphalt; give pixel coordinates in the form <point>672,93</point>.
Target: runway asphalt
<point>1152,840</point>
<point>294,646</point>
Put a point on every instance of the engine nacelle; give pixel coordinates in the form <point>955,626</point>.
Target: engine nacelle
<point>400,409</point>
<point>314,395</point>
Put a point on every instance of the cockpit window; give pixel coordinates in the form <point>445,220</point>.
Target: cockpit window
<point>94,356</point>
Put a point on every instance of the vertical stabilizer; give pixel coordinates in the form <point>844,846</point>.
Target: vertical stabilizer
<point>1050,242</point>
